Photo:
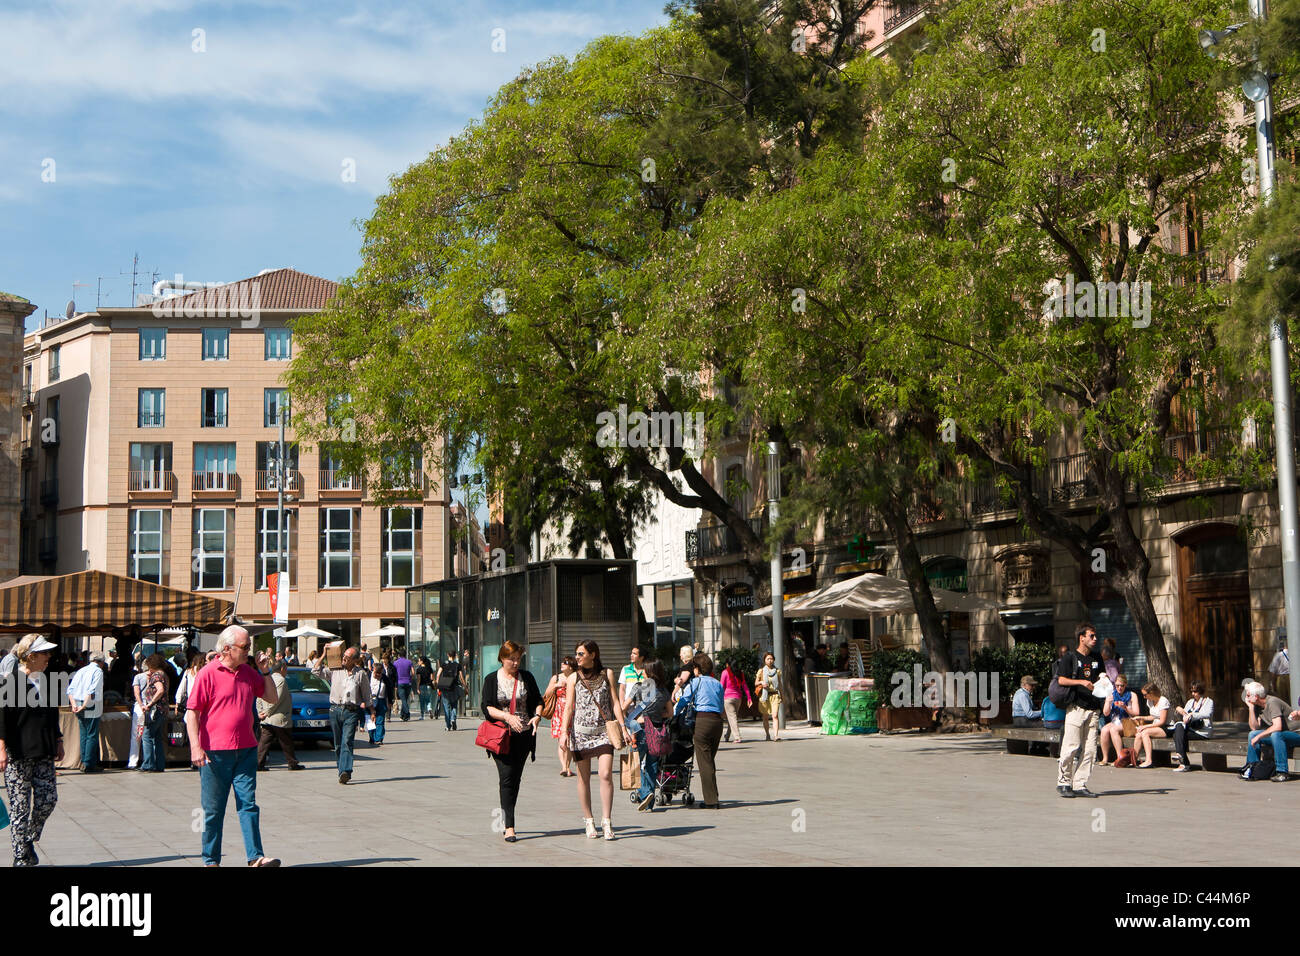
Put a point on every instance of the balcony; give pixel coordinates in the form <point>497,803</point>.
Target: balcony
<point>268,482</point>
<point>223,484</point>
<point>903,12</point>
<point>337,483</point>
<point>152,420</point>
<point>1070,479</point>
<point>49,550</point>
<point>151,484</point>
<point>715,541</point>
<point>29,396</point>
<point>29,453</point>
<point>50,491</point>
<point>411,485</point>
<point>214,419</point>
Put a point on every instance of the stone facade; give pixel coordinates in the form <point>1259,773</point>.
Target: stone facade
<point>13,313</point>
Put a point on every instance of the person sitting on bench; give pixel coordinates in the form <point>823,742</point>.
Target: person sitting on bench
<point>1268,725</point>
<point>1022,705</point>
<point>1198,717</point>
<point>1153,724</point>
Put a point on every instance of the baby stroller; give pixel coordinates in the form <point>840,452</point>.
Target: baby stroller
<point>675,769</point>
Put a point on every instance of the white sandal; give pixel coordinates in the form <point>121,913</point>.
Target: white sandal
<point>591,827</point>
<point>608,828</point>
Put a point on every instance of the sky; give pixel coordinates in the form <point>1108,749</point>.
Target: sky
<point>218,139</point>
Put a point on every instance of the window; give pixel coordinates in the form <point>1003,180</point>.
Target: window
<point>153,345</point>
<point>401,547</point>
<point>279,345</point>
<point>334,473</point>
<point>403,470</point>
<point>336,409</point>
<point>54,363</point>
<point>151,462</point>
<point>268,465</point>
<point>269,547</point>
<point>273,400</point>
<point>214,466</point>
<point>214,532</point>
<point>52,413</point>
<point>214,407</point>
<point>339,555</point>
<point>216,345</point>
<point>153,407</point>
<point>147,545</point>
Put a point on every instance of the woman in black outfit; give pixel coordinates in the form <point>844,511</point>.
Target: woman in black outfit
<point>501,687</point>
<point>30,743</point>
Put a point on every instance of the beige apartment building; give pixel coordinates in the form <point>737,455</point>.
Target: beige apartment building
<point>151,450</point>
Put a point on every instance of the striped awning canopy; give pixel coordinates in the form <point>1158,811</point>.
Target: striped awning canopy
<point>95,602</point>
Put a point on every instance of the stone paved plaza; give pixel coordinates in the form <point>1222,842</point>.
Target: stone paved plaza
<point>428,798</point>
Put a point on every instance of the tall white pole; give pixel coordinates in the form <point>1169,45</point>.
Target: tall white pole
<point>778,585</point>
<point>1279,354</point>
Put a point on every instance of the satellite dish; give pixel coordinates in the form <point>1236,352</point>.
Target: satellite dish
<point>71,310</point>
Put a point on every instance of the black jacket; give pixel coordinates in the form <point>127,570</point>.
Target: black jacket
<point>526,706</point>
<point>27,731</point>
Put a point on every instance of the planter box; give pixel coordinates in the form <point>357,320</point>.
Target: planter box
<point>904,718</point>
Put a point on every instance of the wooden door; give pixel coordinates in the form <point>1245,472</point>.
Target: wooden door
<point>1216,632</point>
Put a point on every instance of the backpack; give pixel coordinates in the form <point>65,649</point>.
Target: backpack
<point>1261,769</point>
<point>658,742</point>
<point>1062,697</point>
<point>1127,757</point>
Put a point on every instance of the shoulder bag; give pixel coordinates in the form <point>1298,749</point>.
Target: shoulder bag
<point>493,736</point>
<point>613,731</point>
<point>549,701</point>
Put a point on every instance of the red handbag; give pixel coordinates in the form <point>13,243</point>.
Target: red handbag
<point>492,736</point>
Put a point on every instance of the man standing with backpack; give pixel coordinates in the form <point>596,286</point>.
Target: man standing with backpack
<point>1072,688</point>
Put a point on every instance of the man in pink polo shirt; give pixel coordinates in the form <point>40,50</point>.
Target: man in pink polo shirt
<point>219,720</point>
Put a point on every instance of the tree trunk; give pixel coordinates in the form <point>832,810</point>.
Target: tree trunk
<point>931,621</point>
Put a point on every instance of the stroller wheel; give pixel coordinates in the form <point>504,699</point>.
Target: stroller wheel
<point>689,799</point>
<point>666,798</point>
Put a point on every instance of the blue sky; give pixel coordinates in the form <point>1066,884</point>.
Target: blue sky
<point>220,163</point>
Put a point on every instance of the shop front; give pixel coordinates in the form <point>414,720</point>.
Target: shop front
<point>545,607</point>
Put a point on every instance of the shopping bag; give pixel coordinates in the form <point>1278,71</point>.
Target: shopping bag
<point>631,771</point>
<point>370,725</point>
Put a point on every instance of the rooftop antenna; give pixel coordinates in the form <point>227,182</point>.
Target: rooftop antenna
<point>135,269</point>
<point>72,308</point>
<point>99,288</point>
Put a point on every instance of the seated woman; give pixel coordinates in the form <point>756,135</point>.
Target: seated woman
<point>1053,716</point>
<point>1121,703</point>
<point>1198,717</point>
<point>1153,724</point>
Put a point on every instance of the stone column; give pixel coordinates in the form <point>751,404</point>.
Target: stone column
<point>13,313</point>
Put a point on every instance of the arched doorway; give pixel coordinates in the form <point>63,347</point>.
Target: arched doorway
<point>1216,639</point>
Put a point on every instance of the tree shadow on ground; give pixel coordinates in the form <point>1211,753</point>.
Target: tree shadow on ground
<point>362,861</point>
<point>143,861</point>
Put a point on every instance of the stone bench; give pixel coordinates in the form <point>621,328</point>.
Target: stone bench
<point>1214,751</point>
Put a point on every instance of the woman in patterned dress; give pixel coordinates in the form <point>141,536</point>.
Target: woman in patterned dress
<point>590,701</point>
<point>30,744</point>
<point>560,685</point>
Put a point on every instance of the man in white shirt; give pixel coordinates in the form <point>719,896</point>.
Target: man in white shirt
<point>86,695</point>
<point>1280,668</point>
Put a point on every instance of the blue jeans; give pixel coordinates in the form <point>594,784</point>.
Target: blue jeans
<point>404,697</point>
<point>377,735</point>
<point>449,707</point>
<point>154,743</point>
<point>426,701</point>
<point>344,725</point>
<point>649,769</point>
<point>1280,741</point>
<point>89,740</point>
<point>226,769</point>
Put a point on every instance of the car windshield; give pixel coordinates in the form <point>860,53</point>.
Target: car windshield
<point>300,681</point>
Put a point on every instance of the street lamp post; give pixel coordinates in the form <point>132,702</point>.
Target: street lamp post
<point>1258,89</point>
<point>778,589</point>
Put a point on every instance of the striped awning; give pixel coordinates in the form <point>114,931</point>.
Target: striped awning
<point>95,602</point>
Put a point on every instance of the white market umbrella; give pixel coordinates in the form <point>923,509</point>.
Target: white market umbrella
<point>870,594</point>
<point>388,630</point>
<point>308,631</point>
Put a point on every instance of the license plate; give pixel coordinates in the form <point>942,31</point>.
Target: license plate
<point>315,723</point>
